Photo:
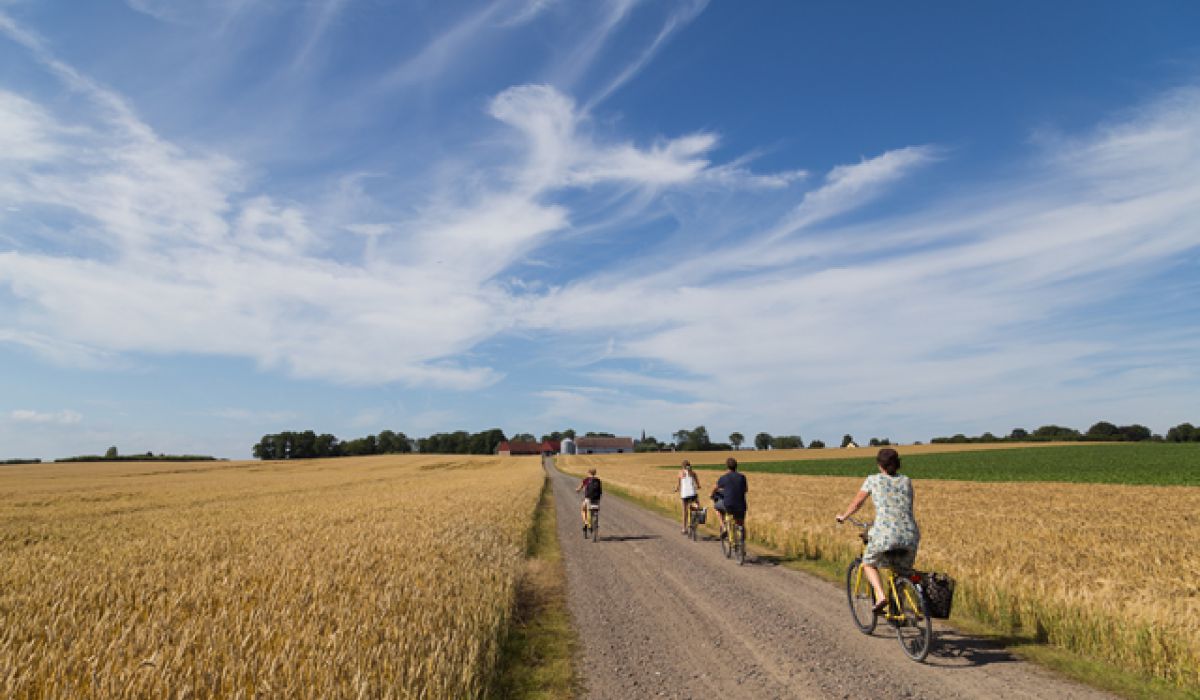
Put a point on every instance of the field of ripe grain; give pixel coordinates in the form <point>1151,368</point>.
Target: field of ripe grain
<point>1109,571</point>
<point>386,576</point>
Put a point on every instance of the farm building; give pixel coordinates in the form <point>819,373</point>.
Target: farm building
<point>509,449</point>
<point>603,445</point>
<point>545,447</point>
<point>568,446</point>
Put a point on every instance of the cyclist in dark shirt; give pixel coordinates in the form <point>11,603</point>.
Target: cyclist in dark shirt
<point>733,488</point>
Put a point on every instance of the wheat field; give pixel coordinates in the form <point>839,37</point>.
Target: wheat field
<point>1111,572</point>
<point>386,576</point>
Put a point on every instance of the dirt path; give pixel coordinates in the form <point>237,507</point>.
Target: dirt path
<point>661,616</point>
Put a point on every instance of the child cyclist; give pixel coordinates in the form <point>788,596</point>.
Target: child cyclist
<point>688,486</point>
<point>592,491</point>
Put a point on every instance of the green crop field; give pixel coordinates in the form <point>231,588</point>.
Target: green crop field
<point>1141,463</point>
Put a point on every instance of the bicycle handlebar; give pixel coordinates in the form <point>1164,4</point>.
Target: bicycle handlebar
<point>859,523</point>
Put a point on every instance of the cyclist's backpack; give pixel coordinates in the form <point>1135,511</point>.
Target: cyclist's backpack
<point>594,490</point>
<point>939,591</point>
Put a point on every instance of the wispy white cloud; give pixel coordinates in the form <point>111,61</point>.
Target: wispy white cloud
<point>433,60</point>
<point>321,17</point>
<point>676,20</point>
<point>64,417</point>
<point>191,11</point>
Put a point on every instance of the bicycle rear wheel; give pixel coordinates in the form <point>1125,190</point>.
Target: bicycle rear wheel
<point>740,530</point>
<point>861,598</point>
<point>692,527</point>
<point>595,525</point>
<point>915,630</point>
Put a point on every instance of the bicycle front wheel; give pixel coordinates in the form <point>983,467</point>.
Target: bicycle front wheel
<point>915,630</point>
<point>741,545</point>
<point>861,598</point>
<point>726,545</point>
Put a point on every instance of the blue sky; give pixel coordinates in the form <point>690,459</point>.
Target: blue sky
<point>224,218</point>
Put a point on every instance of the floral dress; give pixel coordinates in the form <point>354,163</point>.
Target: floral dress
<point>895,527</point>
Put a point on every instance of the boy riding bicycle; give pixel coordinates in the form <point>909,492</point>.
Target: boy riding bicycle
<point>592,491</point>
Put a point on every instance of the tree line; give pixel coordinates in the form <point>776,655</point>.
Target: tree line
<point>1102,431</point>
<point>308,444</point>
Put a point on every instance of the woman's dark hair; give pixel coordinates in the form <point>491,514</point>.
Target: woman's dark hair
<point>889,460</point>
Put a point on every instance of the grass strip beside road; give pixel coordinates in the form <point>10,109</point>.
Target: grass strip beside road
<point>1074,666</point>
<point>1111,463</point>
<point>537,654</point>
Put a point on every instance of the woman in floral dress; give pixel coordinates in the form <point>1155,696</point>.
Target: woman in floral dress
<point>894,538</point>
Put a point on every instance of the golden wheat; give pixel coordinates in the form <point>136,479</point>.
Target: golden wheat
<point>1111,572</point>
<point>368,577</point>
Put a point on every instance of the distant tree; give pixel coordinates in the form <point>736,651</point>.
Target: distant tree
<point>879,442</point>
<point>569,433</point>
<point>1104,431</point>
<point>736,439</point>
<point>1018,434</point>
<point>787,442</point>
<point>847,439</point>
<point>327,445</point>
<point>488,441</point>
<point>1184,432</point>
<point>523,437</point>
<point>111,453</point>
<point>816,445</point>
<point>696,439</point>
<point>1055,432</point>
<point>988,437</point>
<point>649,444</point>
<point>1135,433</point>
<point>595,434</point>
<point>763,441</point>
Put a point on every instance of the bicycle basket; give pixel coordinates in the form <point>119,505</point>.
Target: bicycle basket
<point>702,516</point>
<point>939,590</point>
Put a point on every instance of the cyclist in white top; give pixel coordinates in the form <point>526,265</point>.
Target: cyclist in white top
<point>688,486</point>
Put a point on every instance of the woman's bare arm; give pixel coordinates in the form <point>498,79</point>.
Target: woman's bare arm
<point>854,505</point>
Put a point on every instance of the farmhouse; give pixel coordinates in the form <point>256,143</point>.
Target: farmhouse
<point>603,445</point>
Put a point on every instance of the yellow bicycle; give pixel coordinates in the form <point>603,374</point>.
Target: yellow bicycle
<point>593,521</point>
<point>733,539</point>
<point>907,610</point>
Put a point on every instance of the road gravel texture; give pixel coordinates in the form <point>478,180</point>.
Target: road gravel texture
<point>661,616</point>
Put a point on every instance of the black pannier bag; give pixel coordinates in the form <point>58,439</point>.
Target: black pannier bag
<point>594,490</point>
<point>939,591</point>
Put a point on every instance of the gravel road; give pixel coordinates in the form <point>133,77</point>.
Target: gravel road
<point>661,616</point>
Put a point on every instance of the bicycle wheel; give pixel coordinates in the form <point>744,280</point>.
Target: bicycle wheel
<point>915,630</point>
<point>595,526</point>
<point>860,598</point>
<point>726,545</point>
<point>692,527</point>
<point>741,544</point>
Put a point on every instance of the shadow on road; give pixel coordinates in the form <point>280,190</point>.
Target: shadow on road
<point>952,650</point>
<point>628,538</point>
